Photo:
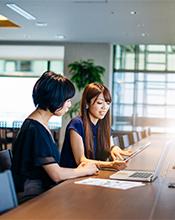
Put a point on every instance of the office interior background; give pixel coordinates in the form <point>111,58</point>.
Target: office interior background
<point>133,40</point>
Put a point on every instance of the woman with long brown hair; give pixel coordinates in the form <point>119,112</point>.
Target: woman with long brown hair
<point>87,137</point>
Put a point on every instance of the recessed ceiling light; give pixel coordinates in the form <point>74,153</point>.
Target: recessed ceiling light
<point>41,24</point>
<point>60,37</point>
<point>20,11</point>
<point>144,34</point>
<point>140,25</point>
<point>133,12</point>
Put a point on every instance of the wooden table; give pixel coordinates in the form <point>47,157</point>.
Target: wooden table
<point>73,201</point>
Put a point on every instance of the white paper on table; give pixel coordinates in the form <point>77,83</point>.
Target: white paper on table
<point>116,184</point>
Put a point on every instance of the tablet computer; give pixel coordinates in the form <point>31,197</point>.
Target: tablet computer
<point>138,150</point>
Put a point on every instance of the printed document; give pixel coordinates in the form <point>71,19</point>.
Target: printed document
<point>115,184</point>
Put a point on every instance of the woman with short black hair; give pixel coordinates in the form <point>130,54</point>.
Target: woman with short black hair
<point>35,164</point>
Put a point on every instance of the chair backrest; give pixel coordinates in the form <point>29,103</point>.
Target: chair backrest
<point>125,141</point>
<point>5,160</point>
<point>147,132</point>
<point>139,135</point>
<point>8,198</point>
<point>17,124</point>
<point>116,140</point>
<point>134,136</point>
<point>3,126</point>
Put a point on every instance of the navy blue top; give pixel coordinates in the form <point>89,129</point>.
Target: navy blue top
<point>67,157</point>
<point>33,148</point>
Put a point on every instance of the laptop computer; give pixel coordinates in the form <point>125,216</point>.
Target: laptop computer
<point>141,175</point>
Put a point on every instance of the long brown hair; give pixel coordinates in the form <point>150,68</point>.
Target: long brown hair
<point>94,90</point>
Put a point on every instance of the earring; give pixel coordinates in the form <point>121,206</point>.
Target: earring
<point>87,106</point>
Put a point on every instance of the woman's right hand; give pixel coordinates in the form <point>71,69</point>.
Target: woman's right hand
<point>118,165</point>
<point>89,168</point>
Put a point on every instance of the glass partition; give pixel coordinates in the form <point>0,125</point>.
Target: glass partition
<point>144,87</point>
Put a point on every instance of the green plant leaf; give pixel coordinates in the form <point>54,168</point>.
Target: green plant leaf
<point>82,73</point>
<point>85,72</point>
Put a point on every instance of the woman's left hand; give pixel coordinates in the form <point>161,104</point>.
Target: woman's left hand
<point>118,153</point>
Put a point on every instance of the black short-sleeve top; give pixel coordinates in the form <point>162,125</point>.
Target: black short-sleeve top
<point>33,148</point>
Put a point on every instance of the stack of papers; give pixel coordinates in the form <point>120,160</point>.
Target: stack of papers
<point>116,184</point>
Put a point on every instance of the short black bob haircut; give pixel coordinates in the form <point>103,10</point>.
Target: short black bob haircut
<point>51,91</point>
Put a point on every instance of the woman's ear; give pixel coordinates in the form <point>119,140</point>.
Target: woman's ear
<point>57,111</point>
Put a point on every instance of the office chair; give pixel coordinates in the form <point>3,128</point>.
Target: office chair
<point>147,132</point>
<point>5,160</point>
<point>3,129</point>
<point>134,137</point>
<point>124,140</point>
<point>56,135</point>
<point>7,192</point>
<point>6,136</point>
<point>17,124</point>
<point>116,140</point>
<point>139,135</point>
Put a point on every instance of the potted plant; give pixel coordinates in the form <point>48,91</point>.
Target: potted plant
<point>84,72</point>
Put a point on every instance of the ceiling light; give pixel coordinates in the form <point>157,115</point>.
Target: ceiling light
<point>21,11</point>
<point>41,24</point>
<point>140,25</point>
<point>133,12</point>
<point>144,34</point>
<point>60,37</point>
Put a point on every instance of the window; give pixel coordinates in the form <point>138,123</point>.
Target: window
<point>17,78</point>
<point>143,96</point>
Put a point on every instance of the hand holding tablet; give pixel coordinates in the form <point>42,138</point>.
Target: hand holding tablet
<point>141,148</point>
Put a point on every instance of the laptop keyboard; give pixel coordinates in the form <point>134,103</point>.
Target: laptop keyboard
<point>141,175</point>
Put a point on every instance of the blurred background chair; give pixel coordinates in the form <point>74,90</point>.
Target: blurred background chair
<point>124,141</point>
<point>3,141</point>
<point>8,198</point>
<point>147,132</point>
<point>6,136</point>
<point>133,138</point>
<point>139,135</point>
<point>116,141</point>
<point>17,124</point>
<point>5,160</point>
<point>16,127</point>
<point>56,135</point>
